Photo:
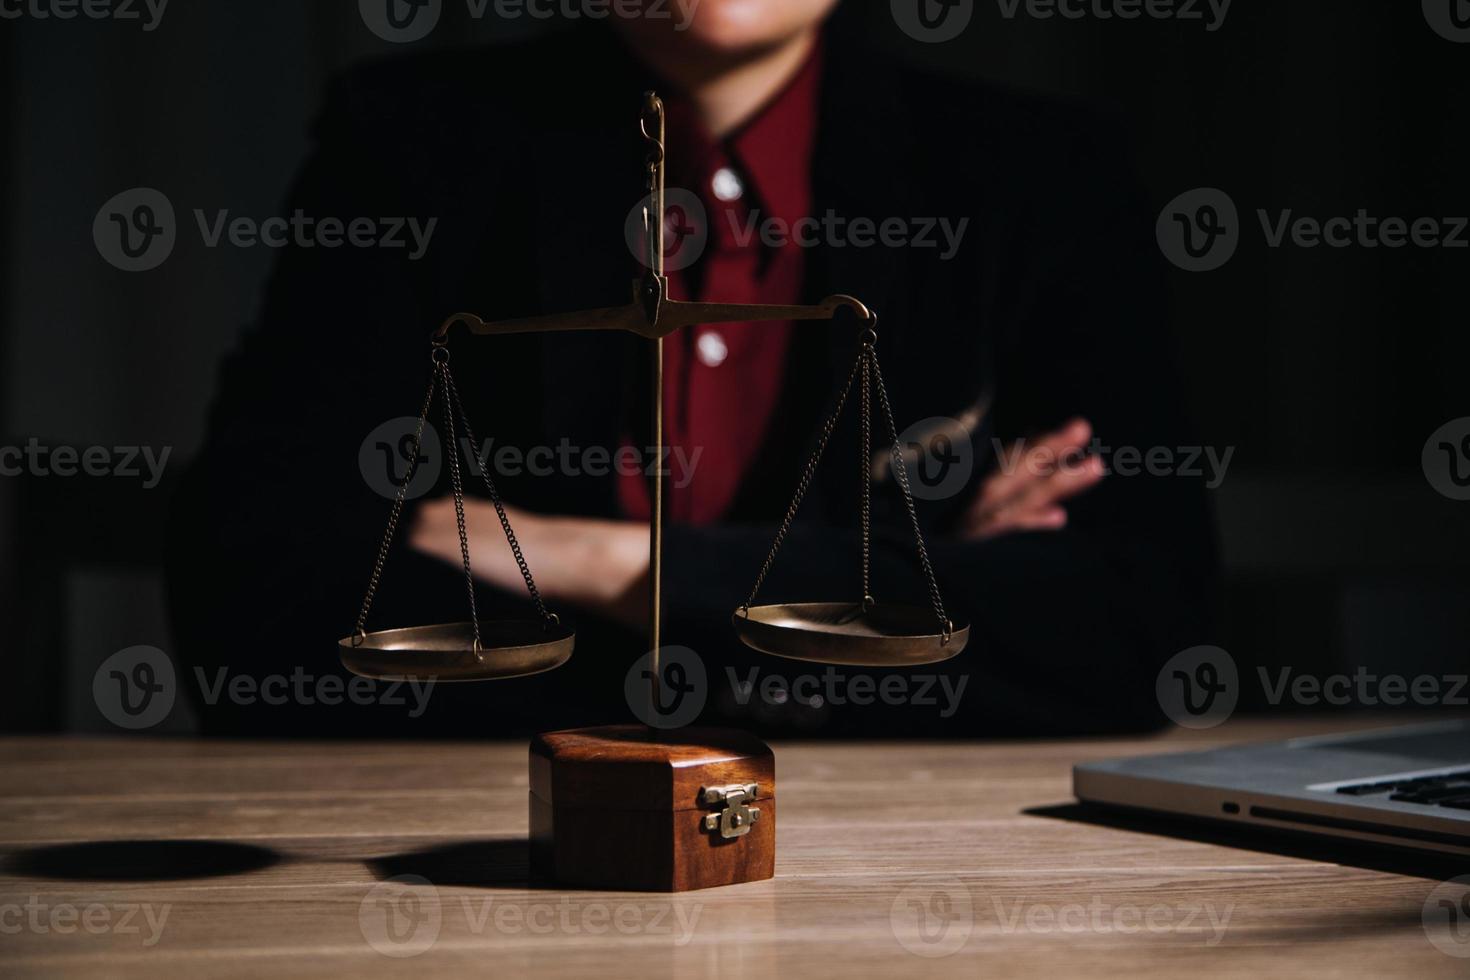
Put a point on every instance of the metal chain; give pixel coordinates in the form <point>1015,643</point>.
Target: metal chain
<point>806,479</point>
<point>865,356</point>
<point>510,534</point>
<point>900,472</point>
<point>457,487</point>
<point>372,590</point>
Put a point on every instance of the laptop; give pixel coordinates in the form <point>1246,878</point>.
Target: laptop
<point>1404,787</point>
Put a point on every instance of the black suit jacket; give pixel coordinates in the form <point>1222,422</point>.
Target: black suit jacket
<point>529,158</point>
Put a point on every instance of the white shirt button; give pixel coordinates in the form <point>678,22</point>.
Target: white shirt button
<point>727,185</point>
<point>712,349</point>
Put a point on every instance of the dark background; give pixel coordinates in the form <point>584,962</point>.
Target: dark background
<point>1325,369</point>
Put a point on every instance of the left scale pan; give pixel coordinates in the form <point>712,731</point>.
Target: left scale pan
<point>508,648</point>
<point>469,651</point>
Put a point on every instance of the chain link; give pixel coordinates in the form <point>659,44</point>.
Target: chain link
<point>457,487</point>
<point>801,487</point>
<point>872,377</point>
<point>510,534</point>
<point>865,357</point>
<point>442,378</point>
<point>372,590</point>
<point>900,472</point>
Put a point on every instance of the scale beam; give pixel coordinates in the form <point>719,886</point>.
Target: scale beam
<point>653,319</point>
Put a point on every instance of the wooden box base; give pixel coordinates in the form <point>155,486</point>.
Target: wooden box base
<point>624,807</point>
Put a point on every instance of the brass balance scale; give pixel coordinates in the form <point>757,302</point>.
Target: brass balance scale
<point>574,767</point>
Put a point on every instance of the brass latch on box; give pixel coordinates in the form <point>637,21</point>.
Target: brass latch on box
<point>737,816</point>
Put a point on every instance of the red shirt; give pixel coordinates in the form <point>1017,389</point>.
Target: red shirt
<point>722,382</point>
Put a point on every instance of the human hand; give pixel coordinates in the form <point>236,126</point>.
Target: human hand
<point>598,565</point>
<point>1033,479</point>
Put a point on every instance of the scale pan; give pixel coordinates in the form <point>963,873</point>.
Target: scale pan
<point>843,633</point>
<point>513,648</point>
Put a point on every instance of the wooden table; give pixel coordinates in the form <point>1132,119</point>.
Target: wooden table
<point>297,846</point>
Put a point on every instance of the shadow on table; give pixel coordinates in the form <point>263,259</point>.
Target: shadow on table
<point>138,860</point>
<point>486,863</point>
<point>1269,840</point>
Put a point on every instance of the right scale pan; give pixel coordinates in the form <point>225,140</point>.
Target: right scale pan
<point>866,633</point>
<point>844,633</point>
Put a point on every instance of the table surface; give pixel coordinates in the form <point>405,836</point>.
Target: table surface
<point>284,858</point>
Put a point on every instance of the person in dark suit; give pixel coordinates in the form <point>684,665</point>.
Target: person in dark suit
<point>999,236</point>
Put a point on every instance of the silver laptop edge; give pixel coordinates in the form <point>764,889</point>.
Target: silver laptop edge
<point>1293,785</point>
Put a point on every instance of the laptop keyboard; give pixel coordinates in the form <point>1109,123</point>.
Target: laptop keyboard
<point>1448,789</point>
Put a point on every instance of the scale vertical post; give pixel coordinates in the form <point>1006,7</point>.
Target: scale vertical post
<point>655,241</point>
